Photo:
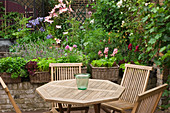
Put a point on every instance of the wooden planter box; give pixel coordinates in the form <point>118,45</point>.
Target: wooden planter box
<point>40,77</point>
<point>7,78</point>
<point>84,70</point>
<point>105,73</point>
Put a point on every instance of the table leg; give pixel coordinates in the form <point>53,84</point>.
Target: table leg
<point>69,108</point>
<point>97,108</point>
<point>60,108</point>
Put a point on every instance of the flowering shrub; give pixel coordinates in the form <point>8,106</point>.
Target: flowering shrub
<point>56,19</point>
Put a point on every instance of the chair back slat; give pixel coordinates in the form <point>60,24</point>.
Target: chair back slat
<point>64,71</point>
<point>147,101</point>
<point>134,80</point>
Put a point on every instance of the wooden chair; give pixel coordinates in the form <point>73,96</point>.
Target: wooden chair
<point>17,110</point>
<point>134,80</point>
<point>65,71</point>
<point>148,101</point>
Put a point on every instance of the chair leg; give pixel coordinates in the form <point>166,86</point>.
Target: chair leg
<point>105,109</point>
<point>86,111</point>
<point>69,108</point>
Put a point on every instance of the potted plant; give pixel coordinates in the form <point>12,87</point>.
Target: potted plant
<point>105,68</point>
<point>38,69</point>
<point>11,69</point>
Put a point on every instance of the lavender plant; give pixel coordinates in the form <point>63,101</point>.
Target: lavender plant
<point>42,49</point>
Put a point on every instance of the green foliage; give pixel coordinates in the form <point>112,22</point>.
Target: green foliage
<point>166,94</point>
<point>104,62</point>
<point>108,15</point>
<point>10,24</point>
<point>73,35</point>
<point>43,63</point>
<point>74,56</point>
<point>150,28</point>
<point>15,66</point>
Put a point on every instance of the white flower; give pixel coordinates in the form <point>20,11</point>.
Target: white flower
<point>92,21</point>
<point>119,3</point>
<point>123,22</point>
<point>130,34</point>
<point>58,26</point>
<point>121,12</point>
<point>146,4</point>
<point>129,8</point>
<point>64,33</point>
<point>58,41</point>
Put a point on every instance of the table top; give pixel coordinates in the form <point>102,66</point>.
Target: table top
<point>65,91</point>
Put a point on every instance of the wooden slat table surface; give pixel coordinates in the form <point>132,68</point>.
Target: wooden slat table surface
<point>65,91</point>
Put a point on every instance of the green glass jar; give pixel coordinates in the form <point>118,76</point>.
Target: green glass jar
<point>82,81</point>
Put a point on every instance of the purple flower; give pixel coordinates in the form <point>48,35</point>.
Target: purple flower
<point>28,25</point>
<point>40,19</point>
<point>67,47</point>
<point>49,36</point>
<point>66,40</point>
<point>74,46</point>
<point>34,22</point>
<point>42,29</point>
<point>19,29</point>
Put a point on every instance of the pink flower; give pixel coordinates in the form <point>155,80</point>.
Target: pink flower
<point>52,11</point>
<point>105,56</point>
<point>61,1</point>
<point>71,48</point>
<point>114,52</point>
<point>99,52</point>
<point>55,15</point>
<point>90,13</point>
<point>58,26</point>
<point>70,9</point>
<point>67,47</point>
<point>57,6</point>
<point>74,46</point>
<point>106,50</point>
<point>50,21</point>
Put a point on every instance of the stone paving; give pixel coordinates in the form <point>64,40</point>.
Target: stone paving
<point>92,111</point>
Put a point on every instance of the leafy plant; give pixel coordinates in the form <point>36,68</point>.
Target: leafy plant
<point>104,62</point>
<point>10,24</point>
<point>31,67</point>
<point>15,66</point>
<point>149,25</point>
